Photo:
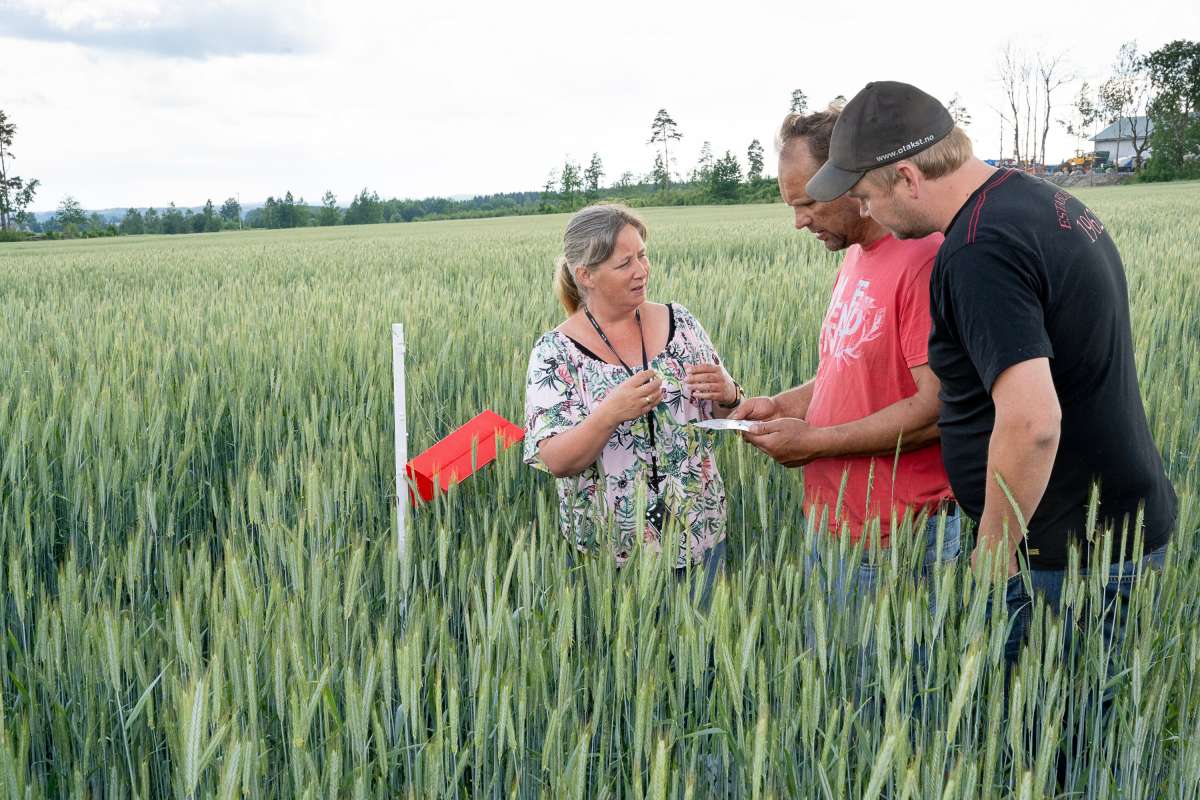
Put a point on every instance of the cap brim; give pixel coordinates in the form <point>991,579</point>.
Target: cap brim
<point>831,182</point>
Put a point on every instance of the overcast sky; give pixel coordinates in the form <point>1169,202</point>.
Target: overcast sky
<point>143,102</point>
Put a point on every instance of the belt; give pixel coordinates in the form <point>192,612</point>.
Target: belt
<point>949,506</point>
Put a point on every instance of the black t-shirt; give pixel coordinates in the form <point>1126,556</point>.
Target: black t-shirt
<point>1027,271</point>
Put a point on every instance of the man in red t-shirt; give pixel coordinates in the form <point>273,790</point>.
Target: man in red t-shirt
<point>874,390</point>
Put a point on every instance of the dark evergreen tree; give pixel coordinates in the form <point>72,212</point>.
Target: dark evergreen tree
<point>725,177</point>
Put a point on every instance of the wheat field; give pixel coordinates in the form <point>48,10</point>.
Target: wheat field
<point>202,595</point>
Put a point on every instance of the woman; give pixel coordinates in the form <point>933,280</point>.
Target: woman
<point>609,396</point>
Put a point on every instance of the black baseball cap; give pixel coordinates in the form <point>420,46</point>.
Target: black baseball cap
<point>884,123</point>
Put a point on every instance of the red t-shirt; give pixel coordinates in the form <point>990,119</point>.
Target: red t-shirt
<point>875,331</point>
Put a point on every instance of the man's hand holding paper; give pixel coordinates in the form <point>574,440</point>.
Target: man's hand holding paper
<point>758,409</point>
<point>790,441</point>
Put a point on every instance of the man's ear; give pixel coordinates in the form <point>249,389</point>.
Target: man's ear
<point>909,179</point>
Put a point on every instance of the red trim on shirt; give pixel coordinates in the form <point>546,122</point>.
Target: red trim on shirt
<point>975,213</point>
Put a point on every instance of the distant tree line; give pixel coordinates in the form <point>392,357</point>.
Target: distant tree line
<point>368,208</point>
<point>713,180</point>
<point>72,221</point>
<point>1163,86</point>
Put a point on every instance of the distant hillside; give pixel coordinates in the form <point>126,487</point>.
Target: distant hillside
<point>117,214</point>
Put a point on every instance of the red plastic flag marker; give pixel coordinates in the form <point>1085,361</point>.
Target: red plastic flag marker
<point>449,461</point>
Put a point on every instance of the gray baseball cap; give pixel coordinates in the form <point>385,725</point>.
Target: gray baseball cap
<point>885,122</point>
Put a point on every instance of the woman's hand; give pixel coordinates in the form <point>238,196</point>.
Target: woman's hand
<point>634,398</point>
<point>710,382</point>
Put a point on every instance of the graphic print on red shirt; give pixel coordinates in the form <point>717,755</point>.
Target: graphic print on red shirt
<point>852,321</point>
<point>876,329</point>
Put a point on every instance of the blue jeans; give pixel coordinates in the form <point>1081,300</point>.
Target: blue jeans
<point>853,581</point>
<point>1049,583</point>
<point>862,577</point>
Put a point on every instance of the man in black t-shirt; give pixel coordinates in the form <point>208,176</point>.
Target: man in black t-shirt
<point>1031,337</point>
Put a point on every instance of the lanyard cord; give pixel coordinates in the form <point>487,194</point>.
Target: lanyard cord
<point>637,315</point>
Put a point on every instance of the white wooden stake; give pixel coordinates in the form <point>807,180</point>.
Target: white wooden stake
<point>401,442</point>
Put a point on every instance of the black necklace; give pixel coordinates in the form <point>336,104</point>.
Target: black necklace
<point>655,479</point>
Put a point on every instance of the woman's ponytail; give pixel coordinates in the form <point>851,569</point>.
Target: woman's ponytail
<point>565,286</point>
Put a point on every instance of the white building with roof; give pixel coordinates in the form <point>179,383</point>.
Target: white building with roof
<point>1117,140</point>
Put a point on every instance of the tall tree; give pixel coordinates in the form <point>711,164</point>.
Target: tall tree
<point>704,164</point>
<point>570,182</point>
<point>1015,74</point>
<point>231,210</point>
<point>1085,113</point>
<point>592,177</point>
<point>15,192</point>
<point>173,221</point>
<point>212,221</point>
<point>1028,83</point>
<point>302,214</point>
<point>549,192</point>
<point>799,102</point>
<point>132,224</point>
<point>1053,74</point>
<point>287,212</point>
<point>1001,150</point>
<point>725,176</point>
<point>754,160</point>
<point>1175,110</point>
<point>659,176</point>
<point>330,213</point>
<point>1123,99</point>
<point>70,215</point>
<point>664,130</point>
<point>365,209</point>
<point>267,215</point>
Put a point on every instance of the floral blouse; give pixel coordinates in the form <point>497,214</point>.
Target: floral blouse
<point>599,506</point>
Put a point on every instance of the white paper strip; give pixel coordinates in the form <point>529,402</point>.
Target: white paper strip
<point>725,424</point>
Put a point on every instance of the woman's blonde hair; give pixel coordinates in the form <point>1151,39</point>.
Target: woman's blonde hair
<point>589,240</point>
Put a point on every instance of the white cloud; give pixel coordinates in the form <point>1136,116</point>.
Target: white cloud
<point>165,27</point>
